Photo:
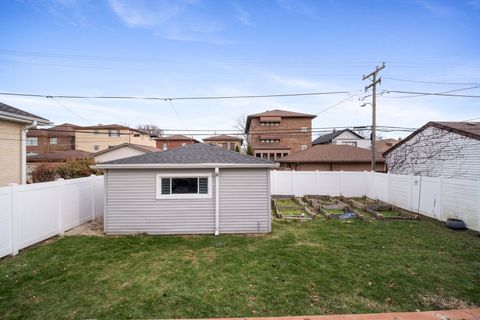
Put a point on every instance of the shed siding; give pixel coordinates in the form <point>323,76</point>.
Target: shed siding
<point>244,201</point>
<point>132,206</point>
<point>435,152</point>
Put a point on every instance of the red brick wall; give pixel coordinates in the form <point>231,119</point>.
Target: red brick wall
<point>293,139</point>
<point>173,144</point>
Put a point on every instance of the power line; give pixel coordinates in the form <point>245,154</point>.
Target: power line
<point>70,110</point>
<point>174,98</point>
<point>337,104</point>
<point>432,94</point>
<point>434,82</point>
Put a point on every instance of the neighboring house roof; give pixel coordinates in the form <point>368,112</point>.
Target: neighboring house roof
<point>223,137</point>
<point>59,156</point>
<point>110,127</point>
<point>277,113</point>
<point>383,145</point>
<point>65,129</point>
<point>176,137</point>
<point>130,145</point>
<point>327,138</point>
<point>270,146</point>
<point>200,155</point>
<point>331,153</point>
<point>466,129</point>
<point>17,115</point>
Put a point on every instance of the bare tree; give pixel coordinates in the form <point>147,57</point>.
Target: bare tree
<point>152,129</point>
<point>241,125</point>
<point>425,153</point>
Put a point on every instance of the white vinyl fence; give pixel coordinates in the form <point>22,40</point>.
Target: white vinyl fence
<point>435,197</point>
<point>34,212</point>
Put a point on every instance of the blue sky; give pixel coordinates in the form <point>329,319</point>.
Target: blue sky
<point>203,48</point>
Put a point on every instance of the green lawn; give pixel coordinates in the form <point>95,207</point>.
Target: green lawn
<point>318,267</point>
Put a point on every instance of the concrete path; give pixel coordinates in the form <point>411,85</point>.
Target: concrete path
<point>466,314</point>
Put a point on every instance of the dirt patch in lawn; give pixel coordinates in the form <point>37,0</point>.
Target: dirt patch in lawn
<point>446,302</point>
<point>91,228</point>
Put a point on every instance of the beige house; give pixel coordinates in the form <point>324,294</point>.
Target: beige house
<point>121,151</point>
<point>225,141</point>
<point>102,137</point>
<point>14,124</point>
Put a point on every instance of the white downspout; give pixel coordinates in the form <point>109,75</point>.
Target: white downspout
<point>23,169</point>
<point>217,201</point>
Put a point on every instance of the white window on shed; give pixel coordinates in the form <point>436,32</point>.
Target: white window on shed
<point>184,186</point>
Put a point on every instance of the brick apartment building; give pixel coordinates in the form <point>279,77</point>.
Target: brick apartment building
<point>58,138</point>
<point>278,133</point>
<point>174,141</point>
<point>225,141</point>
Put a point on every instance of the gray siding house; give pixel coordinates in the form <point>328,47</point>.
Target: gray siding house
<point>195,189</point>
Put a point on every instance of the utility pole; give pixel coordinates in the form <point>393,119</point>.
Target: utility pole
<point>373,77</point>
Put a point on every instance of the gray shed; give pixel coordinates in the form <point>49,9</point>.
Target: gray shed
<point>196,189</point>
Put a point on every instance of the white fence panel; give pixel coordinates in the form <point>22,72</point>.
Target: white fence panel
<point>35,212</point>
<point>353,184</point>
<point>435,197</point>
<point>461,200</point>
<point>399,191</point>
<point>429,197</point>
<point>35,207</point>
<point>5,221</point>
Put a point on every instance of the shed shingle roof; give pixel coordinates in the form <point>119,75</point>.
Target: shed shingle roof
<point>20,114</point>
<point>331,153</point>
<point>327,138</point>
<point>194,154</point>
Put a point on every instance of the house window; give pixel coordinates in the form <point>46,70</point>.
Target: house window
<point>96,132</point>
<point>29,154</point>
<point>304,129</point>
<point>53,140</point>
<point>32,141</point>
<point>96,147</point>
<point>269,140</point>
<point>350,143</point>
<point>269,123</point>
<point>184,186</point>
<point>114,133</point>
<point>258,155</point>
<point>136,135</point>
<point>165,146</point>
<point>304,147</point>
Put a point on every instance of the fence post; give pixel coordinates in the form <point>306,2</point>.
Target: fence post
<point>440,199</point>
<point>389,182</point>
<point>15,218</point>
<point>340,176</point>
<point>293,183</point>
<point>92,195</point>
<point>61,228</point>
<point>272,182</point>
<point>410,190</point>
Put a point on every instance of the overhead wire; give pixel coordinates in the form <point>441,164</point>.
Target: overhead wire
<point>175,98</point>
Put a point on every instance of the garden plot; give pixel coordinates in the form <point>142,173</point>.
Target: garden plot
<point>380,209</point>
<point>332,208</point>
<point>291,208</point>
